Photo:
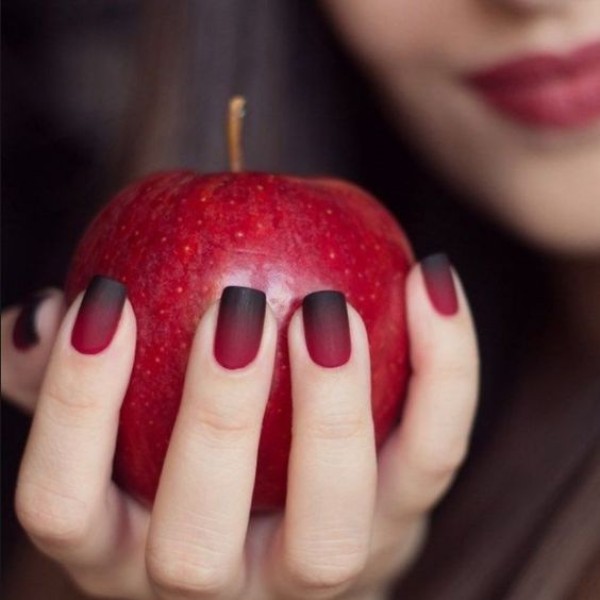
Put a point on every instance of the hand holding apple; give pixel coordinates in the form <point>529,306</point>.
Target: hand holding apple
<point>352,522</point>
<point>199,540</point>
<point>177,239</point>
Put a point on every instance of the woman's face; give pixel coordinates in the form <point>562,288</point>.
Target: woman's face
<point>502,95</point>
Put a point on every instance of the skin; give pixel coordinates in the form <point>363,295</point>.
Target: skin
<point>540,183</point>
<point>345,533</point>
<point>351,523</point>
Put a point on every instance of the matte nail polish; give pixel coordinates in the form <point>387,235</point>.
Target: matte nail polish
<point>98,315</point>
<point>25,333</point>
<point>239,326</point>
<point>440,284</point>
<point>326,328</point>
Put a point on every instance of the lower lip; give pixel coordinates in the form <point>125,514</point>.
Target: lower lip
<point>532,93</point>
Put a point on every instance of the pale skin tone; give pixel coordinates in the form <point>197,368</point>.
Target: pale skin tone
<point>353,522</point>
<point>539,183</point>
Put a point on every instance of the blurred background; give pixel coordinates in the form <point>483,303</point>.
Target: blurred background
<point>97,93</point>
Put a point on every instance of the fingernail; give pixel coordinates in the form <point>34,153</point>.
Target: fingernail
<point>239,326</point>
<point>326,328</point>
<point>439,283</point>
<point>25,333</point>
<point>98,315</point>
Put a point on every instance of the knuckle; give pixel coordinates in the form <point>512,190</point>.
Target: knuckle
<point>225,422</point>
<point>71,398</point>
<point>441,463</point>
<point>340,424</point>
<point>54,520</point>
<point>181,575</point>
<point>327,565</point>
<point>320,577</point>
<point>456,368</point>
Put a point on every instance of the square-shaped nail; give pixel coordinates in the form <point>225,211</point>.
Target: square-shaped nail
<point>99,315</point>
<point>439,283</point>
<point>239,326</point>
<point>326,328</point>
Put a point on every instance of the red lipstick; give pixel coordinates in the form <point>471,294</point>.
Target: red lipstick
<point>545,90</point>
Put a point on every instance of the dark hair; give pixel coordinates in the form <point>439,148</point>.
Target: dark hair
<point>96,93</point>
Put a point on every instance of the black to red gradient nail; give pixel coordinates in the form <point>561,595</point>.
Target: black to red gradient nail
<point>439,283</point>
<point>25,333</point>
<point>326,328</point>
<point>239,326</point>
<point>98,315</point>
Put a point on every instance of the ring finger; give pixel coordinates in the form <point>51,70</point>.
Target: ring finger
<point>326,531</point>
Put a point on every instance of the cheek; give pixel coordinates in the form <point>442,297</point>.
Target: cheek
<point>380,33</point>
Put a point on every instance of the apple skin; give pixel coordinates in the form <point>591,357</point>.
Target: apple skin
<point>176,239</point>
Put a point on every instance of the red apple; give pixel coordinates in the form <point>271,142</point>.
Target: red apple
<point>177,239</point>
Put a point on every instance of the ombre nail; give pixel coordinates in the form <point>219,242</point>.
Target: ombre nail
<point>239,326</point>
<point>25,334</point>
<point>326,328</point>
<point>98,315</point>
<point>439,283</point>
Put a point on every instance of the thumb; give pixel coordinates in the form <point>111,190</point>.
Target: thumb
<point>28,334</point>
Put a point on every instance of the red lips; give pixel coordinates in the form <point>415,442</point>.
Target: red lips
<point>545,90</point>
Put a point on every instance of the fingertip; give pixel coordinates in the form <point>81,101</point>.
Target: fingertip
<point>28,335</point>
<point>237,339</point>
<point>438,313</point>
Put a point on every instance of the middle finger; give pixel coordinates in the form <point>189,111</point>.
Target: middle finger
<point>202,508</point>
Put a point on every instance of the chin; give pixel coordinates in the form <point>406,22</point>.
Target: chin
<point>562,223</point>
<point>565,239</point>
<point>549,200</point>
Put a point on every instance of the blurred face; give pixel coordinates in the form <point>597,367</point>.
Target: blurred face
<point>502,95</point>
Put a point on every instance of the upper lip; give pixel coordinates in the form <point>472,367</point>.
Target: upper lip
<point>536,69</point>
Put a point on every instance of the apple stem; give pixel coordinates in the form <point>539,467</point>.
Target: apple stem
<point>235,121</point>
